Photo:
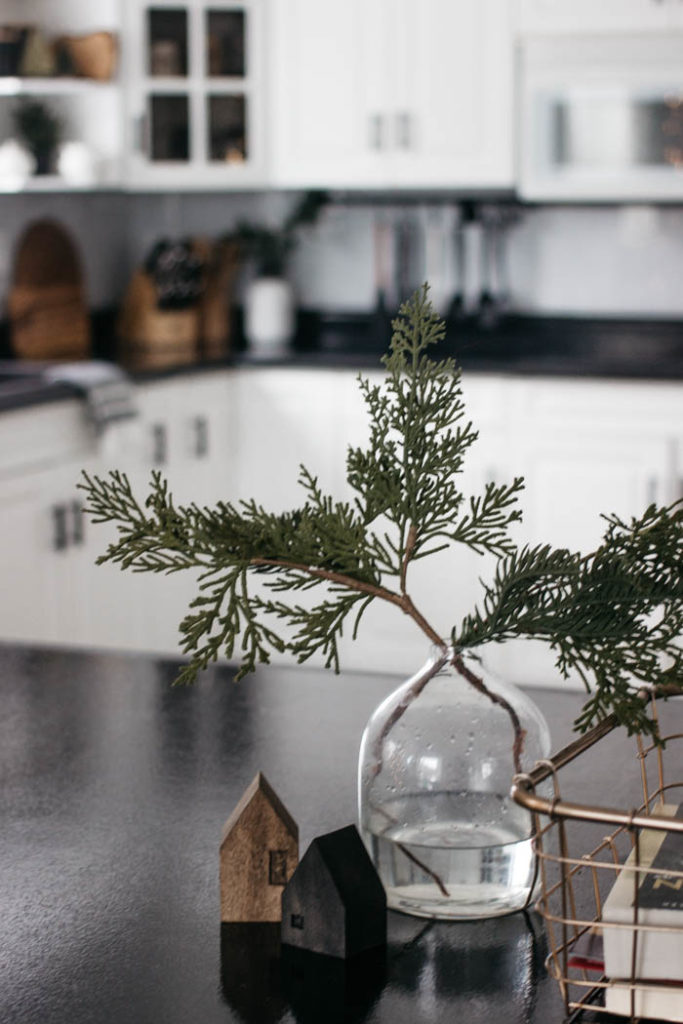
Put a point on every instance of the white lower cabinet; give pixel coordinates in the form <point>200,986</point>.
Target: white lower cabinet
<point>585,448</point>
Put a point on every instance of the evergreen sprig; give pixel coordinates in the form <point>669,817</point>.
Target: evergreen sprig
<point>613,616</point>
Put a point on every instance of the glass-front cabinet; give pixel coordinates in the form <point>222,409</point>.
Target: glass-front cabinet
<point>195,94</point>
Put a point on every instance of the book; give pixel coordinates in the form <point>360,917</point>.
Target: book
<point>586,953</point>
<point>663,1001</point>
<point>659,950</point>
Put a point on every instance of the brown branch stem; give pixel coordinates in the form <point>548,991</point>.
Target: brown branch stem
<point>438,881</point>
<point>410,544</point>
<point>495,698</point>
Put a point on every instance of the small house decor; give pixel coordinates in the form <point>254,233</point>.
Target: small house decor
<point>258,854</point>
<point>335,903</point>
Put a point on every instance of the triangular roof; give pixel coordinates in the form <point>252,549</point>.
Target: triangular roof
<point>260,783</point>
<point>348,863</point>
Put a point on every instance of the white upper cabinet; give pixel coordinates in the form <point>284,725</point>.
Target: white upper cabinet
<point>391,93</point>
<point>194,94</point>
<point>576,16</point>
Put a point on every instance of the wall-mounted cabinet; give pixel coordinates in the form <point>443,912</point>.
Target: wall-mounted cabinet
<point>194,94</point>
<point>391,94</point>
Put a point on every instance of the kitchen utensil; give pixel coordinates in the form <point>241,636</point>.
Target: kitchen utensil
<point>456,309</point>
<point>487,309</point>
<point>384,260</point>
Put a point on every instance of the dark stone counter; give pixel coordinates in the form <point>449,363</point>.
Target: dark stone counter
<point>115,787</point>
<point>517,345</point>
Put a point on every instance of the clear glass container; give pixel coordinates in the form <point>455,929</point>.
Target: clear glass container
<point>436,764</point>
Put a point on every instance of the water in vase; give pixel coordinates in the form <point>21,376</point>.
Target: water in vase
<point>452,855</point>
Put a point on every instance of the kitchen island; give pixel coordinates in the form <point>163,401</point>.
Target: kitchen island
<point>115,786</point>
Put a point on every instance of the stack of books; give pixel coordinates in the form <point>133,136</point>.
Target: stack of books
<point>656,964</point>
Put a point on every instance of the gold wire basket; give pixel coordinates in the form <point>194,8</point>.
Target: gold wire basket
<point>574,884</point>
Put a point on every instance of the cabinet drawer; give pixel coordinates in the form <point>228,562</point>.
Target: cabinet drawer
<point>43,436</point>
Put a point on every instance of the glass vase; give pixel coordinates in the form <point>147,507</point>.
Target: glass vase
<point>437,760</point>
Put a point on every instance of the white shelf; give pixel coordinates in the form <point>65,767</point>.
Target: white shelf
<point>54,183</point>
<point>60,86</point>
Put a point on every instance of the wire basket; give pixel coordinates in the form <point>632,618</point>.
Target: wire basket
<point>605,953</point>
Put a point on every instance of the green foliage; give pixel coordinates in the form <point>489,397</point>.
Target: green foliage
<point>270,248</point>
<point>37,125</point>
<point>613,616</point>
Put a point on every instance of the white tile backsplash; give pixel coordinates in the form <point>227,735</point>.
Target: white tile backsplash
<point>603,261</point>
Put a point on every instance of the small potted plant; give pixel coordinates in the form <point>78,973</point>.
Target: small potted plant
<point>40,129</point>
<point>269,305</point>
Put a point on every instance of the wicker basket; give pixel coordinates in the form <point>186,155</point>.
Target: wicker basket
<point>581,850</point>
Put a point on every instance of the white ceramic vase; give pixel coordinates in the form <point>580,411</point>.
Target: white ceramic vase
<point>269,316</point>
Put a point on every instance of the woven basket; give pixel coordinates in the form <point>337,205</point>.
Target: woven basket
<point>91,56</point>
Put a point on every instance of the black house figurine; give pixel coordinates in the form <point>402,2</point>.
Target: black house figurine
<point>335,903</point>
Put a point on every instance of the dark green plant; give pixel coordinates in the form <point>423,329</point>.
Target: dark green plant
<point>270,248</point>
<point>38,126</point>
<point>612,615</point>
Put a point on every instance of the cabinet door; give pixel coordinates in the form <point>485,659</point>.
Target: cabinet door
<point>194,94</point>
<point>453,96</point>
<point>27,537</point>
<point>589,16</point>
<point>328,100</point>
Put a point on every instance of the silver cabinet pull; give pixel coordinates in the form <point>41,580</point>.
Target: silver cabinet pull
<point>140,134</point>
<point>60,536</point>
<point>652,490</point>
<point>404,130</point>
<point>159,444</point>
<point>376,131</point>
<point>77,523</point>
<point>201,437</point>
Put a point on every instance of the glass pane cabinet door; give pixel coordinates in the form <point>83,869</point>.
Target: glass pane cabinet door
<point>196,94</point>
<point>225,43</point>
<point>167,38</point>
<point>170,127</point>
<point>227,129</point>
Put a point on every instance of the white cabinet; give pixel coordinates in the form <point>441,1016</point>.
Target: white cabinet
<point>586,449</point>
<point>186,431</point>
<point>580,16</point>
<point>194,94</point>
<point>41,527</point>
<point>391,93</point>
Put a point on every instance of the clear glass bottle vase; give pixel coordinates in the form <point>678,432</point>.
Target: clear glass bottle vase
<point>436,763</point>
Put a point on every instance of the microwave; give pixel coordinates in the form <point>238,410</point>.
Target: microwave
<point>601,119</point>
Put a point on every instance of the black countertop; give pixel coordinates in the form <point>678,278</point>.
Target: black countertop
<point>529,346</point>
<point>114,790</point>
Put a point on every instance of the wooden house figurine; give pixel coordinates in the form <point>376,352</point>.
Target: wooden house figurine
<point>258,854</point>
<point>335,903</point>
